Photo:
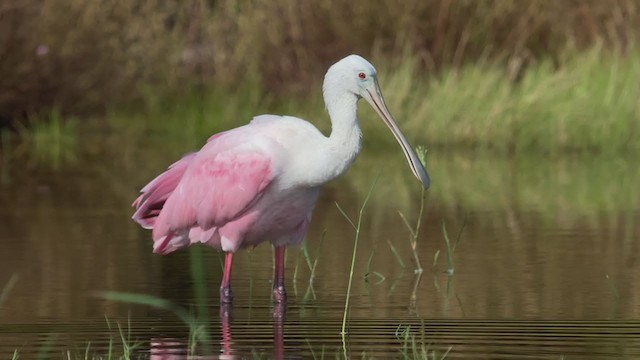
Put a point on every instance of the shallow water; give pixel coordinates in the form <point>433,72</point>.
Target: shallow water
<point>546,266</point>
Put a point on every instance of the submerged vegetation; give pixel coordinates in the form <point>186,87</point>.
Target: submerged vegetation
<point>414,347</point>
<point>124,344</point>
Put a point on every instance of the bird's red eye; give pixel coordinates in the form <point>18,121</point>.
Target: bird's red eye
<point>362,76</point>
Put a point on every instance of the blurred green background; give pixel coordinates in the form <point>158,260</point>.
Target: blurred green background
<point>529,109</point>
<point>541,75</point>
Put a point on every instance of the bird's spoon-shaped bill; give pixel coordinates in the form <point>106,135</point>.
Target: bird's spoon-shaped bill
<point>376,100</point>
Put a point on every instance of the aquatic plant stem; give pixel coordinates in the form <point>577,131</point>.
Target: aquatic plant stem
<point>7,288</point>
<point>357,228</point>
<point>451,247</point>
<point>413,239</point>
<point>198,331</point>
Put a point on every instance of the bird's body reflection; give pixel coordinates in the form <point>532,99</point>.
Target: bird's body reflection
<point>171,348</point>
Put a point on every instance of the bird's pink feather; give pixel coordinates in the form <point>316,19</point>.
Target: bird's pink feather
<point>222,181</point>
<point>149,204</point>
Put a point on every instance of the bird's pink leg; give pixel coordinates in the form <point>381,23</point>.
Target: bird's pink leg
<point>226,296</point>
<point>279,292</point>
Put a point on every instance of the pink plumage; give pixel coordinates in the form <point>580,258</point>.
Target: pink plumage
<point>155,194</point>
<point>209,196</point>
<point>260,182</point>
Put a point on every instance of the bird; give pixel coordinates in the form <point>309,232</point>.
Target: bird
<point>261,181</point>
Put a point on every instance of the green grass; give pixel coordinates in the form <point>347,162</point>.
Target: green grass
<point>311,265</point>
<point>6,289</point>
<point>357,228</point>
<point>451,249</point>
<point>415,230</point>
<point>122,347</point>
<point>52,140</point>
<point>198,324</point>
<point>553,188</point>
<point>128,344</point>
<point>368,271</point>
<point>414,347</point>
<point>189,119</point>
<point>615,293</point>
<point>478,106</point>
<point>121,49</point>
<point>586,102</point>
<point>6,151</point>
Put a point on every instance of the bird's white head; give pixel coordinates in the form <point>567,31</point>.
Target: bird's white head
<point>354,76</point>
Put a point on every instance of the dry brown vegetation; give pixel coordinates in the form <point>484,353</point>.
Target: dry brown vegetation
<point>80,56</point>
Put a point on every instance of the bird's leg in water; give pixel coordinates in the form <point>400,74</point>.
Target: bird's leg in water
<point>279,292</point>
<point>226,295</point>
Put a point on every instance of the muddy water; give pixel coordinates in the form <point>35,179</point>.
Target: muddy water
<point>546,266</point>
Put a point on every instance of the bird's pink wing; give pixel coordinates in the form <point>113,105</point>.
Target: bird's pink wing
<point>223,180</point>
<point>149,204</point>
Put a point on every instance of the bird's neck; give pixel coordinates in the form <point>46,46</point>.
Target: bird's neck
<point>345,140</point>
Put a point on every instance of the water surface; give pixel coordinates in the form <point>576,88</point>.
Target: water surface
<point>545,268</point>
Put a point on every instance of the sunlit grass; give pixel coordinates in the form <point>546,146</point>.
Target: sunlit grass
<point>307,256</point>
<point>451,249</point>
<point>415,230</point>
<point>188,120</point>
<point>586,102</point>
<point>312,264</point>
<point>553,188</point>
<point>52,140</point>
<point>128,344</point>
<point>124,47</point>
<point>414,347</point>
<point>198,323</point>
<point>124,347</point>
<point>197,330</point>
<point>356,225</point>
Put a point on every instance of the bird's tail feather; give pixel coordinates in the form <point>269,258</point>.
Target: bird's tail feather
<point>149,204</point>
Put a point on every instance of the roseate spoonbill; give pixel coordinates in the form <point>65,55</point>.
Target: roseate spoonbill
<point>260,182</point>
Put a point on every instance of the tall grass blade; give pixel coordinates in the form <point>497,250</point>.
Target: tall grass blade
<point>406,223</point>
<point>86,350</point>
<point>317,256</point>
<point>7,288</point>
<point>616,296</point>
<point>451,245</point>
<point>45,349</point>
<point>368,268</point>
<point>344,214</point>
<point>198,329</point>
<point>396,255</point>
<point>5,154</point>
<point>147,300</point>
<point>353,260</point>
<point>307,256</point>
<point>414,231</point>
